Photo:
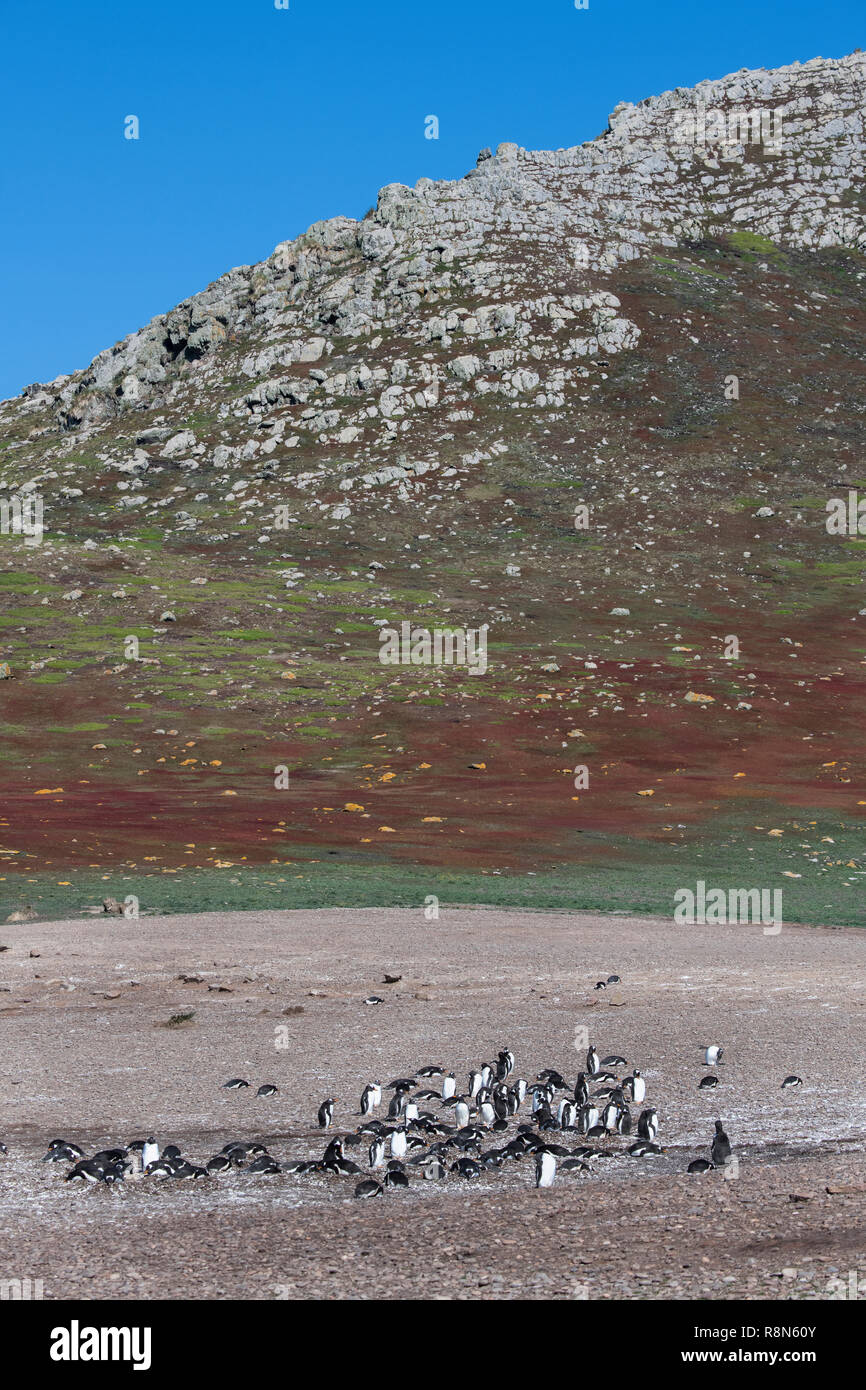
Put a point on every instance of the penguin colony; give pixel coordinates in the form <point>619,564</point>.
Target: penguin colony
<point>496,1120</point>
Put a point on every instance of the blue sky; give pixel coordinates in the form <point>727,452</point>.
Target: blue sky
<point>256,121</point>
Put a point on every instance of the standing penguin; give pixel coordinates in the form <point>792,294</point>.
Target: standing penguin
<point>638,1088</point>
<point>648,1124</point>
<point>487,1113</point>
<point>545,1169</point>
<point>326,1113</point>
<point>371,1097</point>
<point>592,1061</point>
<point>474,1083</point>
<point>449,1086</point>
<point>149,1152</point>
<point>398,1143</point>
<point>581,1090</point>
<point>712,1054</point>
<point>461,1114</point>
<point>377,1153</point>
<point>721,1146</point>
<point>567,1114</point>
<point>610,1115</point>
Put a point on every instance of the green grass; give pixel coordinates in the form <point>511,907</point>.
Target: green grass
<point>642,882</point>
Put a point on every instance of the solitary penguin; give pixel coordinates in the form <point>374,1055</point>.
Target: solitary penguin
<point>721,1147</point>
<point>545,1169</point>
<point>326,1113</point>
<point>712,1055</point>
<point>791,1083</point>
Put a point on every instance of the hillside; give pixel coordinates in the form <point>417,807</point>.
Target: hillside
<point>400,420</point>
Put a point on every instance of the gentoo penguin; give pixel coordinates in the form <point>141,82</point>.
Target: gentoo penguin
<point>474,1083</point>
<point>791,1082</point>
<point>334,1149</point>
<point>519,1088</point>
<point>637,1087</point>
<point>581,1090</point>
<point>574,1165</point>
<point>59,1151</point>
<point>326,1113</point>
<point>609,1116</point>
<point>613,979</point>
<point>398,1143</point>
<point>587,1118</point>
<point>410,1111</point>
<point>461,1114</point>
<point>601,984</point>
<point>88,1170</point>
<point>467,1168</point>
<point>648,1124</point>
<point>487,1075</point>
<point>269,1089</point>
<point>708,1083</point>
<point>376,1153</point>
<point>592,1061</point>
<point>149,1151</point>
<point>545,1169</point>
<point>432,1071</point>
<point>396,1179</point>
<point>396,1104</point>
<point>449,1086</point>
<point>368,1188</point>
<point>553,1079</point>
<point>506,1064</point>
<point>486,1113</point>
<point>699,1165</point>
<point>237,1083</point>
<point>373,999</point>
<point>623,1121</point>
<point>712,1054</point>
<point>721,1147</point>
<point>614,1060</point>
<point>220,1163</point>
<point>371,1097</point>
<point>108,1156</point>
<point>567,1114</point>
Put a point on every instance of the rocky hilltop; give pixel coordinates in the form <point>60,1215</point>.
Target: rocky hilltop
<point>399,418</point>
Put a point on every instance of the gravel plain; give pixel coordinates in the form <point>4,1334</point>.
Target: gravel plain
<point>97,1048</point>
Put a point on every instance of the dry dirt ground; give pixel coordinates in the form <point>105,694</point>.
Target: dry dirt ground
<point>279,997</point>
